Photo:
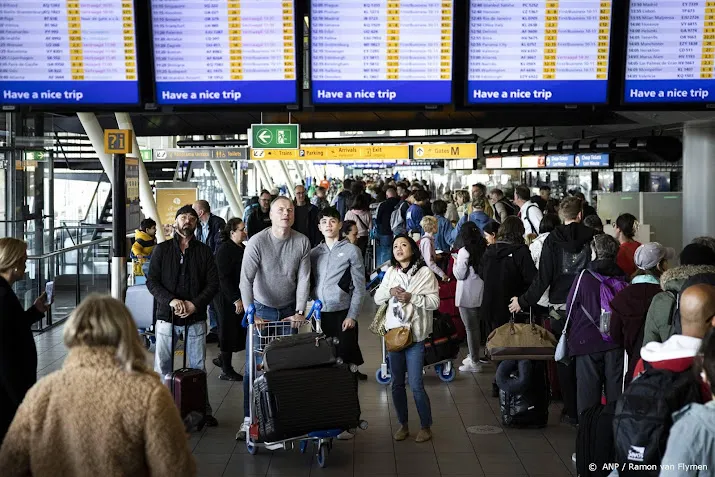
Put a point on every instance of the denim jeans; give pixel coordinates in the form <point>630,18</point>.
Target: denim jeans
<point>410,361</point>
<point>383,248</point>
<point>267,314</point>
<point>194,346</point>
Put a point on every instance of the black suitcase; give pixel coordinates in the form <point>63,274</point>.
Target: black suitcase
<point>594,441</point>
<point>304,350</point>
<point>291,403</point>
<point>528,407</point>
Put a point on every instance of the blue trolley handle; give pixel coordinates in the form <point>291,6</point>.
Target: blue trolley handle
<point>248,316</point>
<point>315,310</point>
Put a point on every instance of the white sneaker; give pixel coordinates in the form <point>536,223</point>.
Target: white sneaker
<point>468,360</point>
<point>573,457</point>
<point>241,435</point>
<point>346,436</point>
<point>470,368</point>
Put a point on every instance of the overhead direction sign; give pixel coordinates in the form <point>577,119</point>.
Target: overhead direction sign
<point>201,154</point>
<point>275,136</point>
<point>444,151</point>
<point>340,153</point>
<point>118,141</point>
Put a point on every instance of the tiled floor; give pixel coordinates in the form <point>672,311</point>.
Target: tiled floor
<point>456,406</point>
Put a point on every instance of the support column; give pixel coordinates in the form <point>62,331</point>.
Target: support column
<point>146,196</point>
<point>223,180</point>
<point>289,183</point>
<point>698,179</point>
<point>265,175</point>
<point>232,182</point>
<point>95,133</point>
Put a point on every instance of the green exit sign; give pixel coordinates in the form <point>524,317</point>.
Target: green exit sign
<point>275,136</point>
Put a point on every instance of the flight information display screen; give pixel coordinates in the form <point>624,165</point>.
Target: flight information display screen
<point>382,52</point>
<point>540,52</point>
<point>68,52</point>
<point>671,52</point>
<point>228,52</point>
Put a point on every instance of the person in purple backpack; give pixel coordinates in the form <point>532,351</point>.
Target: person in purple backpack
<point>630,307</point>
<point>598,359</point>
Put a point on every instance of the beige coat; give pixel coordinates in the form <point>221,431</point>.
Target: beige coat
<point>92,418</point>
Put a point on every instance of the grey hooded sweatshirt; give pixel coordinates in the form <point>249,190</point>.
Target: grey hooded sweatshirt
<point>338,277</point>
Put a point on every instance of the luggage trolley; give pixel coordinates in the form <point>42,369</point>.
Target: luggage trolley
<point>444,369</point>
<point>257,342</point>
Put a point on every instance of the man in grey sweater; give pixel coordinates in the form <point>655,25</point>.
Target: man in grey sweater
<point>275,277</point>
<point>339,283</point>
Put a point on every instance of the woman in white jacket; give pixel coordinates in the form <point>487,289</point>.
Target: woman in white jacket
<point>411,291</point>
<point>470,289</point>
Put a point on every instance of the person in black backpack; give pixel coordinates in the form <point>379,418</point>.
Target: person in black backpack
<point>503,208</point>
<point>693,432</point>
<point>566,252</point>
<point>666,382</point>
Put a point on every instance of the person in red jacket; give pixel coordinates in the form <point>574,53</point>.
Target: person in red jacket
<point>697,313</point>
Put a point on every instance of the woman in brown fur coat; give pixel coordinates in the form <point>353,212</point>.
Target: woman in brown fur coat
<point>104,413</point>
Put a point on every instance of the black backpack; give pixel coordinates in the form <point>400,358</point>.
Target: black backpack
<point>644,417</point>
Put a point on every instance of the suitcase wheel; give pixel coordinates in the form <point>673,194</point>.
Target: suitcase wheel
<point>322,455</point>
<point>250,447</point>
<point>447,377</point>
<point>380,379</point>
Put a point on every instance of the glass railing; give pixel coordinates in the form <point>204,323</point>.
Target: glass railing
<point>76,271</point>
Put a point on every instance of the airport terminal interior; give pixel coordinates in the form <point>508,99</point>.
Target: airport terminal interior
<point>226,101</point>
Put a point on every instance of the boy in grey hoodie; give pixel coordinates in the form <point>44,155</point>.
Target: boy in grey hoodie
<point>338,281</point>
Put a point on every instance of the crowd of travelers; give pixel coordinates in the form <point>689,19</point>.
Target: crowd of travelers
<point>626,312</point>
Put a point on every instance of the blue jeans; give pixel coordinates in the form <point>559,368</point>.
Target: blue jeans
<point>213,320</point>
<point>383,249</point>
<point>194,346</point>
<point>410,361</point>
<point>267,314</point>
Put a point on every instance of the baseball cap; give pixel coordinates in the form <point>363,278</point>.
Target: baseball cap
<point>649,255</point>
<point>187,209</point>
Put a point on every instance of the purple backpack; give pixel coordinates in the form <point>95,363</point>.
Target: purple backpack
<point>610,287</point>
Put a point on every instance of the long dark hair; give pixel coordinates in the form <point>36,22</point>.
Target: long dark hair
<point>231,226</point>
<point>474,242</point>
<point>626,223</point>
<point>416,259</point>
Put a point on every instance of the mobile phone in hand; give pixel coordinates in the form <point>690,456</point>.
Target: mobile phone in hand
<point>50,292</point>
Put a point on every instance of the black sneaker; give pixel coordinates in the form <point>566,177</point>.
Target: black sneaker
<point>485,360</point>
<point>210,421</point>
<point>572,421</point>
<point>230,376</point>
<point>218,362</point>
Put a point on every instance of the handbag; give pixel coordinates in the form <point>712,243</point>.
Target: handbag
<point>562,349</point>
<point>398,338</point>
<point>377,326</point>
<point>521,341</point>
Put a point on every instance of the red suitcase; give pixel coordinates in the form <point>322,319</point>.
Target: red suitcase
<point>187,385</point>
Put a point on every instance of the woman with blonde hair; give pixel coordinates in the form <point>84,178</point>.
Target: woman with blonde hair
<point>104,413</point>
<point>18,355</point>
<point>427,249</point>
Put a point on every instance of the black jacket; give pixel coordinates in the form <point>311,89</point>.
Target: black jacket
<point>507,271</point>
<point>306,222</point>
<point>257,222</point>
<point>163,279</point>
<point>384,214</point>
<point>216,225</point>
<point>567,251</point>
<point>18,355</point>
<point>228,262</point>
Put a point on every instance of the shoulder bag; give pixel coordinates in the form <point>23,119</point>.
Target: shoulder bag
<point>521,341</point>
<point>562,349</point>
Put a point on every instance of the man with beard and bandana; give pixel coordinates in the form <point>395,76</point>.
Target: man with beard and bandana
<point>183,279</point>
